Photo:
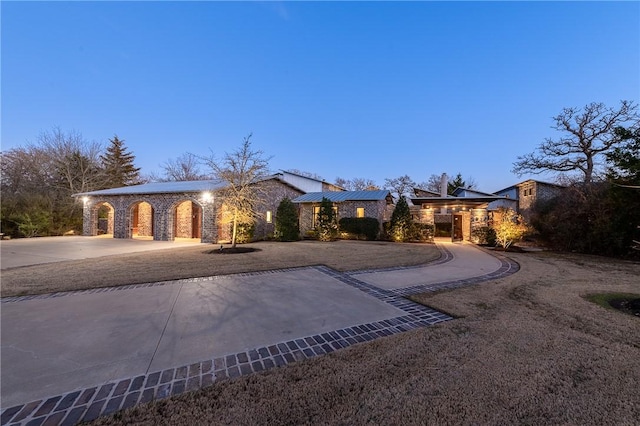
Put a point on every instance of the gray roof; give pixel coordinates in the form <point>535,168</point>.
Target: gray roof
<point>159,188</point>
<point>339,196</point>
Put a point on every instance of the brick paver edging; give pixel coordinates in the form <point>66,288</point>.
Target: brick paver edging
<point>508,267</point>
<point>88,404</point>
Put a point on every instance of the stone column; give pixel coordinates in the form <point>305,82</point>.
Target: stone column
<point>88,222</point>
<point>209,228</point>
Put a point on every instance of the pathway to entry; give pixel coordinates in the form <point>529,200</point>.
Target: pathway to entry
<point>71,357</point>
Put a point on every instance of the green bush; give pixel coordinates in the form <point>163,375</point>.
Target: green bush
<point>287,228</point>
<point>245,232</point>
<point>484,235</point>
<point>365,227</point>
<point>420,232</point>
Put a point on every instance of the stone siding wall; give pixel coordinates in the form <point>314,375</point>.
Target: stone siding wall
<point>274,193</point>
<point>184,220</point>
<point>145,220</point>
<point>376,209</point>
<point>163,207</point>
<point>530,192</point>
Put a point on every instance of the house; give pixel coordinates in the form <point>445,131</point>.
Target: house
<point>523,196</point>
<point>453,216</point>
<point>164,211</point>
<point>377,204</point>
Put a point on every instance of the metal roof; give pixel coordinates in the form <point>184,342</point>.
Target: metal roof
<point>339,196</point>
<point>159,188</point>
<point>438,202</point>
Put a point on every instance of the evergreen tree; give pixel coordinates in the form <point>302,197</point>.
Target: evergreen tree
<point>118,165</point>
<point>327,223</point>
<point>401,221</point>
<point>287,226</point>
<point>624,160</point>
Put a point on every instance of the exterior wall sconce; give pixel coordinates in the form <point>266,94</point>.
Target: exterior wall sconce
<point>207,197</point>
<point>85,200</point>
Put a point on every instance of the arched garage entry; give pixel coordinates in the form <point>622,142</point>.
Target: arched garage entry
<point>102,219</point>
<point>105,217</point>
<point>187,221</point>
<point>141,215</point>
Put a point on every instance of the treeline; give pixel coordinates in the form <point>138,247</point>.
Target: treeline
<point>38,181</point>
<point>601,216</point>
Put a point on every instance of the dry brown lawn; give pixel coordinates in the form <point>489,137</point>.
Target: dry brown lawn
<point>526,349</point>
<point>189,262</point>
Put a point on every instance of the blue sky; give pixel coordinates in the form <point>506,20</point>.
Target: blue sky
<point>350,89</point>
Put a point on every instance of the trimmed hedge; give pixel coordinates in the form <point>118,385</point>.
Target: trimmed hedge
<point>367,227</point>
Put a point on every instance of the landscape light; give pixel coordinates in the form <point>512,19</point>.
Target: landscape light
<point>207,197</point>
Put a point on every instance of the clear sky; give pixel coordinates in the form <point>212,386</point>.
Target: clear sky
<point>351,89</point>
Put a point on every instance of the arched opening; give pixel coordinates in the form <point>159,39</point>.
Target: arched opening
<point>187,222</point>
<point>142,221</point>
<point>104,219</point>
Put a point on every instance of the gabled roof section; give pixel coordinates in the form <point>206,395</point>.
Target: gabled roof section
<point>340,196</point>
<point>159,188</point>
<point>529,180</point>
<point>286,172</point>
<point>175,187</point>
<point>459,190</point>
<point>419,192</point>
<point>470,202</point>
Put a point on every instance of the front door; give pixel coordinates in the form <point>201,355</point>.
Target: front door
<point>196,220</point>
<point>457,227</point>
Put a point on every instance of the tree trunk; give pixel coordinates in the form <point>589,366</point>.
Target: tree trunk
<point>235,228</point>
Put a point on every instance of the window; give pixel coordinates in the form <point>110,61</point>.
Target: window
<point>269,216</point>
<point>359,211</point>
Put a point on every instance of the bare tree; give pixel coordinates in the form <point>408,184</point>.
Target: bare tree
<point>432,184</point>
<point>74,162</point>
<point>183,168</point>
<point>587,134</point>
<point>241,171</point>
<point>39,179</point>
<point>400,186</point>
<point>357,184</point>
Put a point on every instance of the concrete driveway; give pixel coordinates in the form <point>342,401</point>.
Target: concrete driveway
<point>77,355</point>
<point>33,251</point>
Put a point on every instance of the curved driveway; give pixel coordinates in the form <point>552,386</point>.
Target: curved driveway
<point>73,356</point>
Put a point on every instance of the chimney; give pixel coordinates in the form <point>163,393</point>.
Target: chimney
<point>443,185</point>
<point>443,190</point>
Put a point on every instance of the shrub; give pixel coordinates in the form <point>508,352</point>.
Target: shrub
<point>596,218</point>
<point>509,227</point>
<point>484,235</point>
<point>420,232</point>
<point>365,227</point>
<point>245,232</point>
<point>287,228</point>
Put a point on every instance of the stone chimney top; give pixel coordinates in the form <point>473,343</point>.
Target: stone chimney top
<point>443,185</point>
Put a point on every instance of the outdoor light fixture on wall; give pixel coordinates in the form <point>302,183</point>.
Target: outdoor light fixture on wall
<point>85,200</point>
<point>207,197</point>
